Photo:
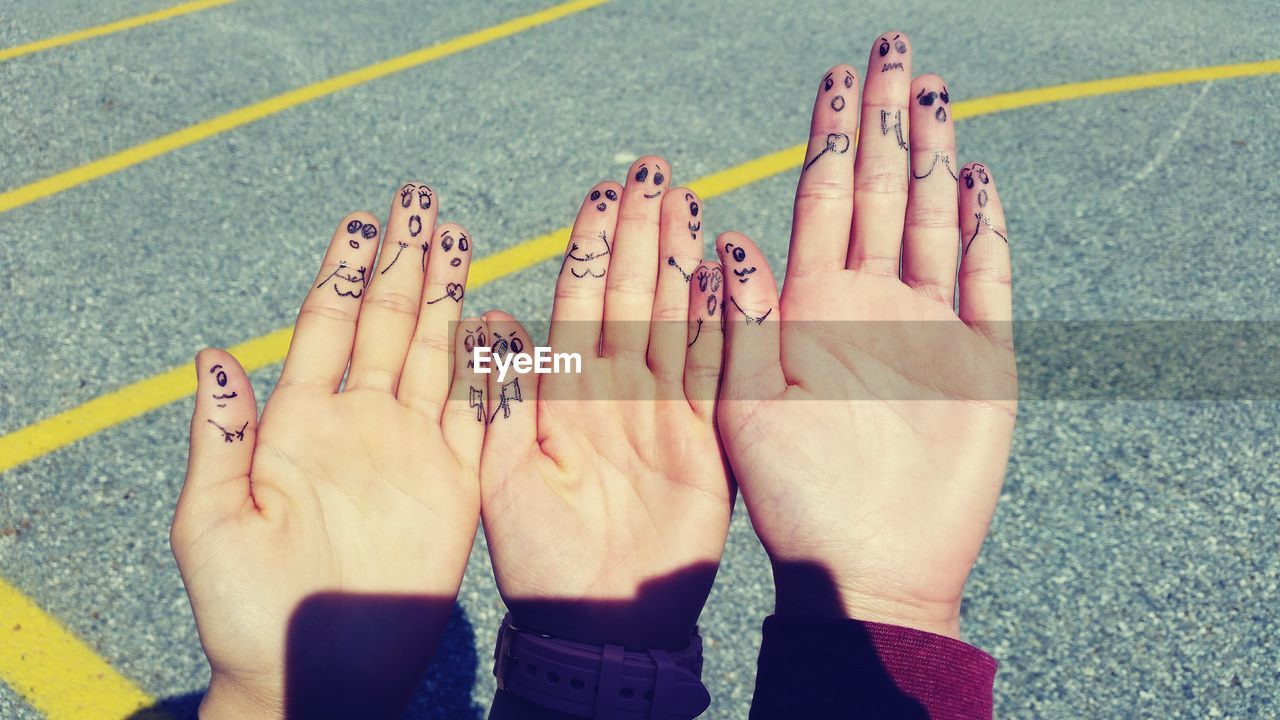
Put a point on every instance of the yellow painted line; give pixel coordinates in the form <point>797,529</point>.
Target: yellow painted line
<point>130,401</point>
<point>136,21</point>
<point>37,655</point>
<point>54,184</point>
<point>62,677</point>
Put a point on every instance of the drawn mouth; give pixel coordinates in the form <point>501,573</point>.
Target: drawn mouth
<point>941,114</point>
<point>892,66</point>
<point>225,397</point>
<point>455,262</point>
<point>601,207</point>
<point>744,273</point>
<point>654,195</point>
<point>695,228</point>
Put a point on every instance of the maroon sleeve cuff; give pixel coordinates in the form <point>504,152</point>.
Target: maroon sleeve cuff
<point>824,667</point>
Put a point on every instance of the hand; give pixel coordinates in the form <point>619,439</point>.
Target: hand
<point>867,422</point>
<point>606,501</point>
<point>322,548</point>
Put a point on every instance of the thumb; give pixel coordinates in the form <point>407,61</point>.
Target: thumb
<point>223,434</point>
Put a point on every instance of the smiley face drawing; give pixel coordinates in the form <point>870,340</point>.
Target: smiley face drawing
<point>220,377</point>
<point>739,256</point>
<point>347,282</point>
<point>828,82</point>
<point>448,242</point>
<point>581,259</point>
<point>927,98</point>
<point>602,200</point>
<point>895,43</point>
<point>642,175</point>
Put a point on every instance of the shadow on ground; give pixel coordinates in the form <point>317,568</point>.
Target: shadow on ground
<point>444,693</point>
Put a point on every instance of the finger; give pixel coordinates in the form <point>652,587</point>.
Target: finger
<point>512,429</point>
<point>465,412</point>
<point>579,303</point>
<point>680,251</point>
<point>428,367</point>
<point>930,246</point>
<point>986,288</point>
<point>752,364</point>
<point>390,310</point>
<point>705,339</point>
<point>633,272</point>
<point>326,324</point>
<point>880,174</point>
<point>223,434</point>
<point>823,214</point>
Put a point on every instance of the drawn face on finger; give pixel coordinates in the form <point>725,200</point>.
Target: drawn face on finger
<point>695,222</point>
<point>940,100</point>
<point>454,248</point>
<point>357,230</point>
<point>975,175</point>
<point>709,282</point>
<point>829,85</point>
<point>742,270</point>
<point>602,198</point>
<point>891,50</point>
<point>511,344</point>
<point>644,175</point>
<point>222,393</point>
<point>473,339</point>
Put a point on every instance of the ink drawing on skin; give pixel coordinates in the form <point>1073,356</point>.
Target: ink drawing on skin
<point>837,143</point>
<point>220,376</point>
<point>927,97</point>
<point>581,261</point>
<point>346,281</point>
<point>695,224</point>
<point>743,275</point>
<point>658,178</point>
<point>897,44</point>
<point>976,177</point>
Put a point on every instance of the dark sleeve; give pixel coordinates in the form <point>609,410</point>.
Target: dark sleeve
<point>823,667</point>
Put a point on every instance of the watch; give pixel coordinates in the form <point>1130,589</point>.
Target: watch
<point>605,682</point>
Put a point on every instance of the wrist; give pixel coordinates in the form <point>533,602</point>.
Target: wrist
<point>227,699</point>
<point>809,590</point>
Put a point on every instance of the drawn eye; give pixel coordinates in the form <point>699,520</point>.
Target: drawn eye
<point>982,175</point>
<point>481,339</point>
<point>516,345</point>
<point>928,98</point>
<point>642,174</point>
<point>945,97</point>
<point>693,209</point>
<point>424,199</point>
<point>611,194</point>
<point>658,177</point>
<point>702,279</point>
<point>848,80</point>
<point>826,84</point>
<point>884,48</point>
<point>469,343</point>
<point>463,245</point>
<point>406,198</point>
<point>221,378</point>
<point>900,46</point>
<point>354,226</point>
<point>967,177</point>
<point>446,242</point>
<point>739,254</point>
<point>369,232</point>
<point>595,195</point>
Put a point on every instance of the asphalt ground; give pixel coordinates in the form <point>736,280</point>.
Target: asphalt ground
<point>1133,563</point>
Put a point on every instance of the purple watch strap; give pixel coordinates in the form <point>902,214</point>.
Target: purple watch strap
<point>601,682</point>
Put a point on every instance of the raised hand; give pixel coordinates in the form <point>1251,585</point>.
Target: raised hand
<point>606,501</point>
<point>322,547</point>
<point>867,419</point>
